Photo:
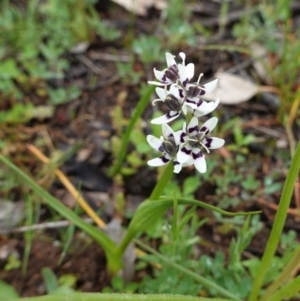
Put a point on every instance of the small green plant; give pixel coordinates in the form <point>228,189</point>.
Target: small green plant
<point>34,41</point>
<point>118,285</point>
<point>58,286</point>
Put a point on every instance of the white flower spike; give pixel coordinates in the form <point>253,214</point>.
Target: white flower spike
<point>182,97</point>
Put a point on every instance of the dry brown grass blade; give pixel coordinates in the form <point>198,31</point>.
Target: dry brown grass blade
<point>70,187</point>
<point>75,193</point>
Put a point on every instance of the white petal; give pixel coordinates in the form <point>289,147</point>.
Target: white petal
<point>199,160</point>
<point>167,131</point>
<point>209,87</point>
<point>183,56</point>
<point>183,75</point>
<point>160,75</point>
<point>190,70</point>
<point>177,136</point>
<point>165,118</point>
<point>151,82</point>
<point>177,167</point>
<point>213,142</point>
<point>184,153</point>
<point>193,128</point>
<point>183,137</point>
<point>189,162</point>
<point>184,109</point>
<point>202,107</point>
<point>158,161</point>
<point>170,59</point>
<point>161,93</point>
<point>156,100</point>
<point>209,125</point>
<point>174,90</point>
<point>154,142</point>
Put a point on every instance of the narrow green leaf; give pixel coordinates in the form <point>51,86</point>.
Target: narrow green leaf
<point>278,225</point>
<point>143,102</point>
<point>151,210</point>
<point>50,280</point>
<point>118,297</point>
<point>109,247</point>
<point>287,291</point>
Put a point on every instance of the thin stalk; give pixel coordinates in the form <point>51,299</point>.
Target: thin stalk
<point>283,277</point>
<point>163,181</point>
<point>143,102</point>
<point>200,279</point>
<point>287,291</point>
<point>116,297</point>
<point>277,228</point>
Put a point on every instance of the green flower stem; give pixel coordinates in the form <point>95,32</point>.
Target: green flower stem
<point>143,102</point>
<point>284,276</point>
<point>163,181</point>
<point>277,228</point>
<point>116,297</point>
<point>200,279</point>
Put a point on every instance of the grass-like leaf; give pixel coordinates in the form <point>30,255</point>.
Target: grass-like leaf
<point>108,246</point>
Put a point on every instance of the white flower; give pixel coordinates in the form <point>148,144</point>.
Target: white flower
<point>194,140</point>
<point>174,101</point>
<point>195,104</point>
<point>178,102</point>
<point>194,93</point>
<point>168,145</point>
<point>173,72</point>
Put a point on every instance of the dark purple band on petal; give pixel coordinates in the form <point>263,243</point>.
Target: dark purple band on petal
<point>181,93</point>
<point>182,137</point>
<point>190,101</point>
<point>185,82</point>
<point>193,129</point>
<point>202,91</point>
<point>199,103</point>
<point>164,78</point>
<point>204,129</point>
<point>208,142</point>
<point>164,159</point>
<point>186,151</point>
<point>197,156</point>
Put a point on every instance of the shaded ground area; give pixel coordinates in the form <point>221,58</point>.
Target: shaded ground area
<point>85,261</point>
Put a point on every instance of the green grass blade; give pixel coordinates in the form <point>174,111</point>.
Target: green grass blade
<point>151,210</point>
<point>287,291</point>
<point>163,181</point>
<point>114,263</point>
<point>117,297</point>
<point>283,277</point>
<point>278,225</point>
<point>144,101</point>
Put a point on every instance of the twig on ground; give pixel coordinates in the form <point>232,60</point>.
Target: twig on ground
<point>42,226</point>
